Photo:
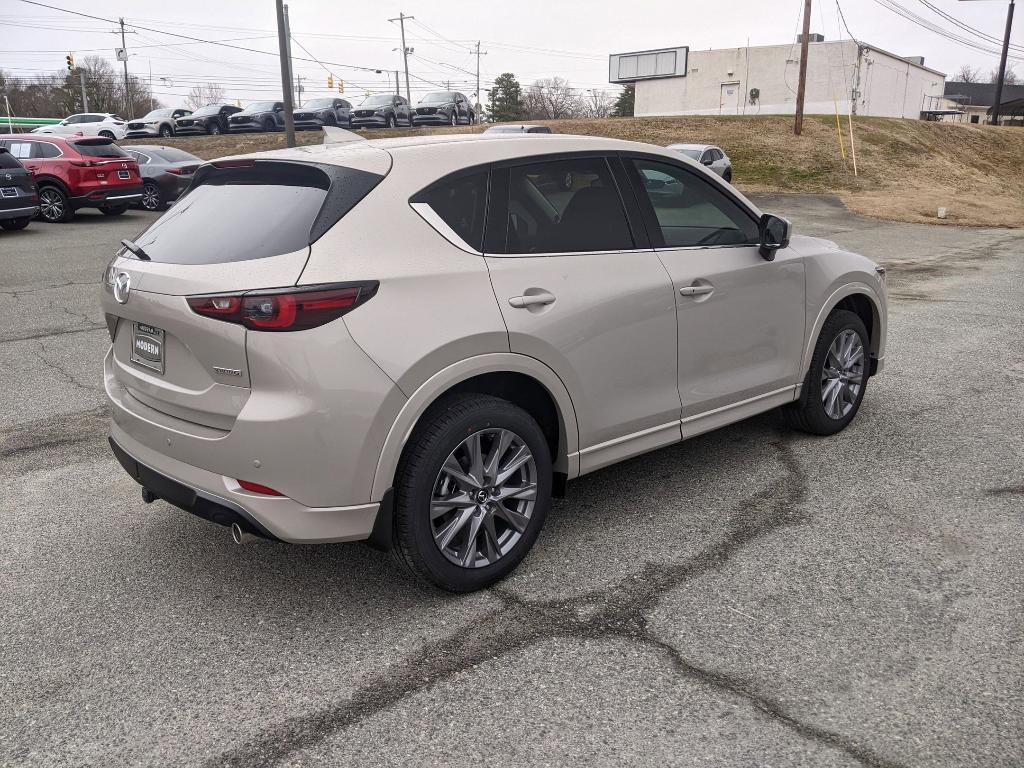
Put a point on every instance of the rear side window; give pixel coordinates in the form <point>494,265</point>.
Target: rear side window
<point>251,212</point>
<point>565,206</point>
<point>99,150</point>
<point>461,201</point>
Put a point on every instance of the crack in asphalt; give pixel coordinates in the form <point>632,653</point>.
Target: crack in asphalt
<point>65,429</point>
<point>68,376</point>
<point>48,334</point>
<point>619,611</point>
<point>17,294</point>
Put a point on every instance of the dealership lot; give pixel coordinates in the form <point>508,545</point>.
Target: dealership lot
<point>752,596</point>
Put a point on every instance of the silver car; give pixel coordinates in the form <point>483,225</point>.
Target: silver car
<point>419,341</point>
<point>711,157</point>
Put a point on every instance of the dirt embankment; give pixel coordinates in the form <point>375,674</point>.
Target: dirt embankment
<point>907,169</point>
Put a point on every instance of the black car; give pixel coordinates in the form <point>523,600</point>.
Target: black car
<point>212,119</point>
<point>443,108</point>
<point>317,113</point>
<point>19,198</point>
<point>259,116</point>
<point>166,173</point>
<point>384,110</point>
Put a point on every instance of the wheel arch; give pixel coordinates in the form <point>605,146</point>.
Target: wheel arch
<point>863,301</point>
<point>52,181</point>
<point>523,380</point>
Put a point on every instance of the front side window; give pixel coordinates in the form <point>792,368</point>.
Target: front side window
<point>689,211</point>
<point>565,206</point>
<point>461,202</point>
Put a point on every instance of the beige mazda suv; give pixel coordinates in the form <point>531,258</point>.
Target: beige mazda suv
<point>419,341</point>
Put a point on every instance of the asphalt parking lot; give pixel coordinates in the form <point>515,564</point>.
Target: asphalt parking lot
<point>752,597</point>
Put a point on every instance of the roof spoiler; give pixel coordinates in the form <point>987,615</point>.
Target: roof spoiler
<point>334,135</point>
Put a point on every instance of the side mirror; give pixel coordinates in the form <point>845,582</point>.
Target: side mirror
<point>775,232</point>
<point>64,122</point>
<point>709,161</point>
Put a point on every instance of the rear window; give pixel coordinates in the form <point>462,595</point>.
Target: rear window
<point>7,160</point>
<point>176,155</point>
<point>99,150</point>
<point>252,212</point>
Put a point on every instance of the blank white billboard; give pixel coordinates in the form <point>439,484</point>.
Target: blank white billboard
<point>643,65</point>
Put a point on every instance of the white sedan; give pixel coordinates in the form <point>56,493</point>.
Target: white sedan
<point>88,124</point>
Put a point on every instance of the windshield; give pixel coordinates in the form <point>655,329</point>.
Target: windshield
<point>159,113</point>
<point>379,100</point>
<point>259,106</point>
<point>438,97</point>
<point>213,109</point>
<point>693,154</point>
<point>318,104</point>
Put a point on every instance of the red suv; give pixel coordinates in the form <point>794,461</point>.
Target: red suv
<point>77,172</point>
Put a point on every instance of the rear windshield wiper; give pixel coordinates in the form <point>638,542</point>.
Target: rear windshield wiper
<point>135,249</point>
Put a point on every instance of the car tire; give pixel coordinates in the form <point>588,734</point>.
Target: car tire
<point>453,119</point>
<point>166,131</point>
<point>152,197</point>
<point>106,134</point>
<point>727,176</point>
<point>836,380</point>
<point>213,129</point>
<point>15,224</point>
<point>113,210</point>
<point>390,122</point>
<point>331,121</point>
<point>54,205</point>
<point>491,536</point>
<point>268,126</point>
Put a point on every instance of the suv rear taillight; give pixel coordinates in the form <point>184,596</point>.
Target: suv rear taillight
<point>285,309</point>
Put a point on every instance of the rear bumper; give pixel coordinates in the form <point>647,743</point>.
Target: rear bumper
<point>98,198</point>
<point>17,213</point>
<point>221,500</point>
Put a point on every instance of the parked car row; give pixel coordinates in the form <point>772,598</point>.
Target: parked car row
<point>52,177</point>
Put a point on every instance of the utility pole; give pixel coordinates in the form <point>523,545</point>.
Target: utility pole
<point>127,87</point>
<point>397,91</point>
<point>801,89</point>
<point>1002,64</point>
<point>476,106</point>
<point>298,80</point>
<point>405,52</point>
<point>85,99</point>
<point>286,73</point>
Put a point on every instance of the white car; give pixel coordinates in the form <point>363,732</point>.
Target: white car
<point>88,124</point>
<point>418,341</point>
<point>708,155</point>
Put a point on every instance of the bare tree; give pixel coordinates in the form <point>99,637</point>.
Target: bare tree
<point>598,103</point>
<point>552,99</point>
<point>967,74</point>
<point>201,95</point>
<point>1009,78</point>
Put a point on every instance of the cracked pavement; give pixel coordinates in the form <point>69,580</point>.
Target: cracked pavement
<point>749,597</point>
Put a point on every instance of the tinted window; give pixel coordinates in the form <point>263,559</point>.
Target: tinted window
<point>139,157</point>
<point>380,99</point>
<point>211,110</point>
<point>46,150</point>
<point>7,160</point>
<point>461,202</point>
<point>565,206</point>
<point>259,106</point>
<point>99,150</point>
<point>270,208</point>
<point>690,211</point>
<point>175,155</point>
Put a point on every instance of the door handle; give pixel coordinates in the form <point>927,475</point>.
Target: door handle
<point>697,290</point>
<point>531,300</point>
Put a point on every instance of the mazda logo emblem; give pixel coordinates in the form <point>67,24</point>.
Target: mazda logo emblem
<point>7,176</point>
<point>124,165</point>
<point>122,287</point>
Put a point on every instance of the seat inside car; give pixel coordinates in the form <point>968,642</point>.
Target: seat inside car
<point>592,220</point>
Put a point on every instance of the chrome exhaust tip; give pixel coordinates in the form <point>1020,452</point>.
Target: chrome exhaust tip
<point>240,536</point>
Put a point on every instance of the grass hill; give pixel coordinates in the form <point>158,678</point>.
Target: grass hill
<point>907,169</point>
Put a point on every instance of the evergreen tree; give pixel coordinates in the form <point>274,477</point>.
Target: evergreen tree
<point>624,104</point>
<point>506,99</point>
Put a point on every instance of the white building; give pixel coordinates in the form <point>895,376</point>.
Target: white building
<point>763,80</point>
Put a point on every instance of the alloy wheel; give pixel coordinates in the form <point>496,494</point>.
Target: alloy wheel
<point>842,374</point>
<point>483,498</point>
<point>150,197</point>
<point>51,204</point>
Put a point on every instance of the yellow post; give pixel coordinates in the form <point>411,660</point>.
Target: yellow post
<point>839,129</point>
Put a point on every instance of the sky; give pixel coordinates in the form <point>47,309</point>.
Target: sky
<point>531,38</point>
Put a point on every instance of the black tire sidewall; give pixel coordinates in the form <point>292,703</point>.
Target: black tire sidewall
<point>417,476</point>
<point>814,409</point>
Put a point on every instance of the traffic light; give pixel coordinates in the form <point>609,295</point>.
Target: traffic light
<point>341,86</point>
<point>70,58</point>
<point>330,81</point>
